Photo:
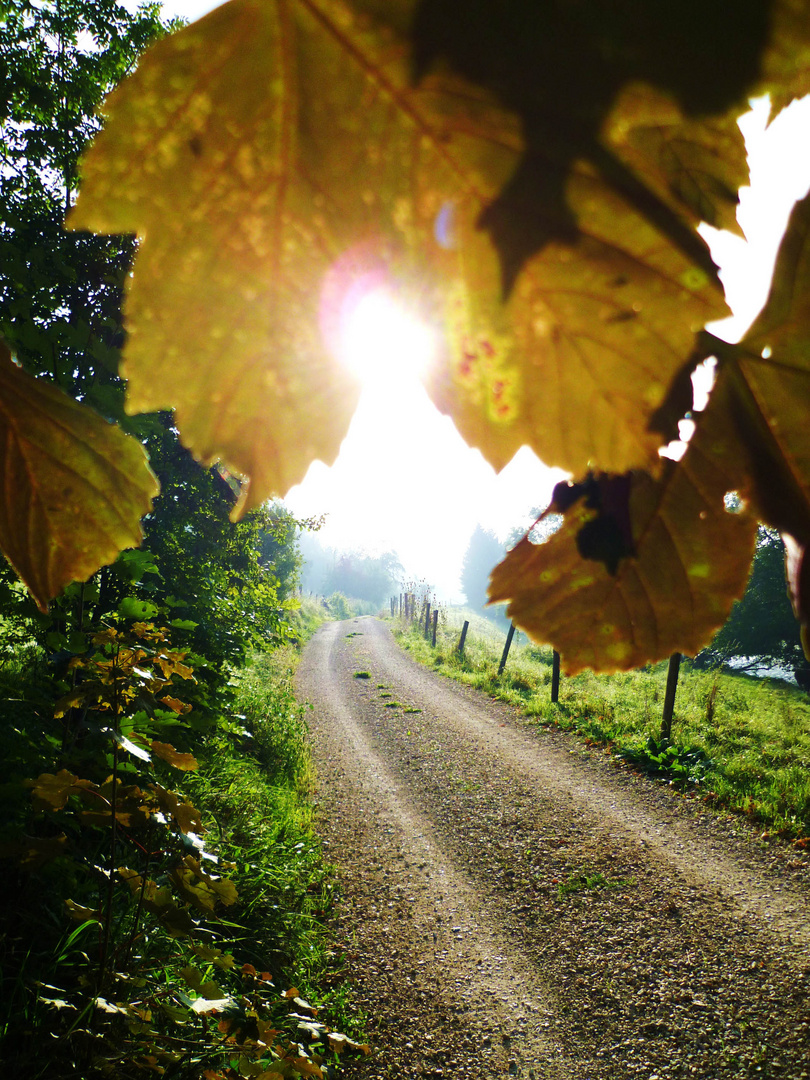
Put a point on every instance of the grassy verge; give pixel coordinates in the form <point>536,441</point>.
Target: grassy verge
<point>193,942</point>
<point>742,743</point>
<point>253,786</point>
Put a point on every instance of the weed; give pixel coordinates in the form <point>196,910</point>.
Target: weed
<point>580,882</point>
<point>393,705</point>
<point>362,674</point>
<point>680,765</point>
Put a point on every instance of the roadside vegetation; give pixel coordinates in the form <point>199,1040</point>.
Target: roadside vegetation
<point>740,743</point>
<point>165,899</point>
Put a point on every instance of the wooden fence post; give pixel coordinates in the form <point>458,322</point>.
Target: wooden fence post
<point>555,676</point>
<point>435,625</point>
<point>463,637</point>
<point>669,696</point>
<point>427,620</point>
<point>506,648</point>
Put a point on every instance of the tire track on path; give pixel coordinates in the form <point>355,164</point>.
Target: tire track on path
<point>473,942</point>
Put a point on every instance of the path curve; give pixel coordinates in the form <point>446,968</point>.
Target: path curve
<point>515,904</point>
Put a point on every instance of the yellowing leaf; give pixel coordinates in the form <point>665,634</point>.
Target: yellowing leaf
<point>697,166</point>
<point>771,382</point>
<point>175,705</point>
<point>582,354</point>
<point>261,200</point>
<point>51,792</point>
<point>186,762</point>
<point>80,913</point>
<point>786,63</point>
<point>186,817</point>
<point>199,888</point>
<point>689,562</point>
<point>200,157</point>
<point>75,487</point>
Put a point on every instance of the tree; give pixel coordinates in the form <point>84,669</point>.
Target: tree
<point>279,548</point>
<point>483,554</point>
<point>364,577</point>
<point>762,628</point>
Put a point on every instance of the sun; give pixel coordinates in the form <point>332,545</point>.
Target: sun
<point>381,342</point>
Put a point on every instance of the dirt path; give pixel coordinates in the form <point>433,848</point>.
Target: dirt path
<point>515,904</point>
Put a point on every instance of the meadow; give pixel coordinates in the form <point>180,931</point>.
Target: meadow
<point>740,743</point>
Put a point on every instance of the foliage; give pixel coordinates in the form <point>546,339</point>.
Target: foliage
<point>533,181</point>
<point>755,732</point>
<point>680,765</point>
<point>364,577</point>
<point>761,627</point>
<point>80,486</point>
<point>484,551</point>
<point>121,907</point>
<point>172,925</point>
<point>279,549</point>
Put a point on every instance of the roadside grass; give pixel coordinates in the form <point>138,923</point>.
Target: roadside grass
<point>252,790</point>
<point>253,786</point>
<point>742,743</point>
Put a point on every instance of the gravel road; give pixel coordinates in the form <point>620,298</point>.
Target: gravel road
<point>515,904</point>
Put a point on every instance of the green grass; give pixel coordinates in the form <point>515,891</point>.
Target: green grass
<point>744,743</point>
<point>252,789</point>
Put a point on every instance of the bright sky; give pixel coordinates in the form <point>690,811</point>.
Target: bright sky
<point>406,481</point>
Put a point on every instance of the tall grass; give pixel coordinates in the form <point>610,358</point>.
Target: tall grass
<point>755,733</point>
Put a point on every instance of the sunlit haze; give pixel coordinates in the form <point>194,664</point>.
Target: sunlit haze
<point>406,481</point>
<point>382,343</point>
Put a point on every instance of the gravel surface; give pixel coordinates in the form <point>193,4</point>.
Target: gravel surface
<point>515,904</point>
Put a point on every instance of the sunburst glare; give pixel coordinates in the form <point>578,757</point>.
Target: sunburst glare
<point>382,343</point>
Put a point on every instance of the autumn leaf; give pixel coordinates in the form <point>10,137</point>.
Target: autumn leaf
<point>186,816</point>
<point>582,354</point>
<point>627,582</point>
<point>770,375</point>
<point>200,158</point>
<point>260,202</point>
<point>186,762</point>
<point>75,487</point>
<point>697,166</point>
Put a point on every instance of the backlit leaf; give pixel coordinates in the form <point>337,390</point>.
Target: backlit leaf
<point>771,380</point>
<point>697,166</point>
<point>80,913</point>
<point>262,202</point>
<point>609,609</point>
<point>200,157</point>
<point>584,350</point>
<point>74,486</point>
<point>167,752</point>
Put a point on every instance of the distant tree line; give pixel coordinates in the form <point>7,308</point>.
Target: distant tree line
<point>355,574</point>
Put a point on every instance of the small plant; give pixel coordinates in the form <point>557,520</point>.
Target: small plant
<point>679,764</point>
<point>580,882</point>
<point>393,705</point>
<point>362,674</point>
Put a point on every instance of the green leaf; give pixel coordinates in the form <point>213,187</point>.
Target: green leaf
<point>75,487</point>
<point>131,608</point>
